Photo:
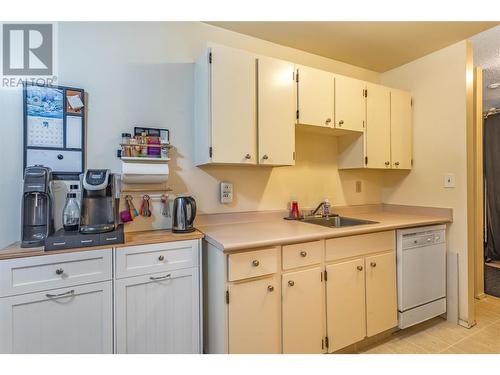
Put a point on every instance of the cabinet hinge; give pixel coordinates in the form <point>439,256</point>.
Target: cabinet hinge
<point>365,93</point>
<point>210,57</point>
<point>363,123</point>
<point>412,162</point>
<point>294,155</point>
<point>227,297</point>
<point>322,344</point>
<point>366,160</point>
<point>326,275</point>
<point>411,102</point>
<point>297,76</point>
<point>210,151</point>
<point>297,114</point>
<point>327,344</point>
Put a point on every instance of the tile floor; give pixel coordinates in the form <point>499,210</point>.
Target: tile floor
<point>440,336</point>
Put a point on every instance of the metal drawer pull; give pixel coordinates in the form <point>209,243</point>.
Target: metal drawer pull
<point>255,263</point>
<point>86,241</point>
<point>396,163</point>
<point>270,288</point>
<point>373,264</point>
<point>303,254</point>
<point>160,277</point>
<point>59,271</point>
<point>248,156</point>
<point>161,258</point>
<point>360,268</point>
<point>341,122</point>
<point>265,157</point>
<point>68,293</point>
<point>291,283</point>
<point>327,121</point>
<point>387,163</point>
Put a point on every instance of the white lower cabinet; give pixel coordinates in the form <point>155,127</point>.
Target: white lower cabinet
<point>303,312</point>
<point>254,313</point>
<point>76,319</point>
<point>158,313</point>
<point>345,309</point>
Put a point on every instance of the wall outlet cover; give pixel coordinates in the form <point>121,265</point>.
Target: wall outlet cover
<point>226,192</point>
<point>449,180</point>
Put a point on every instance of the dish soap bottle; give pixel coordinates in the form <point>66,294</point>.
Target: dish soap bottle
<point>71,213</point>
<point>327,208</point>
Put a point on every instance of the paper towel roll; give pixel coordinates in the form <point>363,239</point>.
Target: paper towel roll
<point>144,173</point>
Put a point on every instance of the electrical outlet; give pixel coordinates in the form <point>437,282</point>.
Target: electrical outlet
<point>226,192</point>
<point>358,186</point>
<point>449,180</point>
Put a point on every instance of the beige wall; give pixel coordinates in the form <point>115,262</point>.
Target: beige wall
<point>142,74</point>
<point>438,86</point>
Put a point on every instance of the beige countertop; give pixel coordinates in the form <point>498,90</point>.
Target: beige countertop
<point>131,239</point>
<point>274,230</point>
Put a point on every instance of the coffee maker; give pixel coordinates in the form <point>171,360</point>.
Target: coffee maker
<point>98,208</point>
<point>37,206</point>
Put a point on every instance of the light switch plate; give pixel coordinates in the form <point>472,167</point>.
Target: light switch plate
<point>449,180</point>
<point>226,192</point>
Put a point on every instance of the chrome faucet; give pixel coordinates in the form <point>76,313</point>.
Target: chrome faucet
<point>326,208</point>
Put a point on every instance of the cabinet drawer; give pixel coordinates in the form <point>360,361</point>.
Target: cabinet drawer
<point>354,246</point>
<point>141,260</point>
<point>25,275</point>
<point>252,264</point>
<point>301,254</point>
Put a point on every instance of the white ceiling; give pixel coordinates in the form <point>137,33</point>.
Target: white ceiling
<point>378,46</point>
<point>487,56</point>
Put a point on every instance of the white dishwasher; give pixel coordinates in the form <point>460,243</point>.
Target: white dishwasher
<point>421,274</point>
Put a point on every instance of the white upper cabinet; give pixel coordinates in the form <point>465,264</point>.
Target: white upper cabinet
<point>378,127</point>
<point>401,129</point>
<point>349,103</point>
<point>276,111</point>
<point>315,97</point>
<point>225,99</point>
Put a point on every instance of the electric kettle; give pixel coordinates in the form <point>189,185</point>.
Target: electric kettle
<point>183,215</point>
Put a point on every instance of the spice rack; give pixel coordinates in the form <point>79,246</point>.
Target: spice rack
<point>139,153</point>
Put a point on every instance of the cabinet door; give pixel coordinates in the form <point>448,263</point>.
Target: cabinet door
<point>401,130</point>
<point>345,303</point>
<point>378,127</point>
<point>349,103</point>
<point>158,313</point>
<point>315,97</point>
<point>254,317</point>
<point>381,305</point>
<point>276,112</point>
<point>75,320</point>
<point>233,106</point>
<point>303,312</point>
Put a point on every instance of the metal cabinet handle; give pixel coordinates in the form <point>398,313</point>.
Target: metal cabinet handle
<point>328,121</point>
<point>291,283</point>
<point>161,258</point>
<point>373,264</point>
<point>59,271</point>
<point>159,277</point>
<point>248,156</point>
<point>270,288</point>
<point>387,163</point>
<point>396,163</point>
<point>303,254</point>
<point>255,263</point>
<point>360,268</point>
<point>265,157</point>
<point>341,122</point>
<point>68,293</point>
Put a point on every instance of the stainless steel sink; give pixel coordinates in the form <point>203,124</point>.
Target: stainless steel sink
<point>336,221</point>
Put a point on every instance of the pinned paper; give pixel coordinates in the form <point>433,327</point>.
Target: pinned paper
<point>75,102</point>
